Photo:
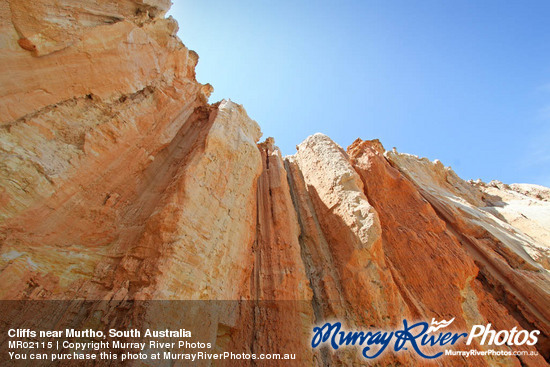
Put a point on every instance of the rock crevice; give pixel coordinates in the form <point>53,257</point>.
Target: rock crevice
<point>119,182</point>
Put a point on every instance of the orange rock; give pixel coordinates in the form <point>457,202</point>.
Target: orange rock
<point>120,183</point>
<point>438,265</point>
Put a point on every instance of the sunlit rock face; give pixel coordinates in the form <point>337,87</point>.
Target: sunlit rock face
<point>448,254</point>
<point>120,182</point>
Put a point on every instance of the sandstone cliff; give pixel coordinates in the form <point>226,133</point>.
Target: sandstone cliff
<point>119,182</point>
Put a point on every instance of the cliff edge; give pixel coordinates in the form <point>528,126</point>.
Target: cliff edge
<point>120,182</point>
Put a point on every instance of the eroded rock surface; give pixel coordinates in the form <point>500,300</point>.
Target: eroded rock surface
<point>119,182</point>
<point>419,229</point>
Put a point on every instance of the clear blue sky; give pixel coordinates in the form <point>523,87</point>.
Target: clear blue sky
<point>463,81</point>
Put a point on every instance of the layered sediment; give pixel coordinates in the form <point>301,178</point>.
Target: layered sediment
<point>120,182</point>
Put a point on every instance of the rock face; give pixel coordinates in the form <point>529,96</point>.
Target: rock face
<point>119,182</point>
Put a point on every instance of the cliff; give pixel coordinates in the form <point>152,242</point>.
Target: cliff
<point>119,182</point>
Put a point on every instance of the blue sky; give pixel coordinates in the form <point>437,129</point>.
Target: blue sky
<point>463,81</point>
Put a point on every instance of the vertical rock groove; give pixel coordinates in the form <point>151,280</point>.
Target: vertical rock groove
<point>281,276</point>
<point>414,227</point>
<point>119,182</point>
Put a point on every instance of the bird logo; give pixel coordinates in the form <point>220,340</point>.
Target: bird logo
<point>439,325</point>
